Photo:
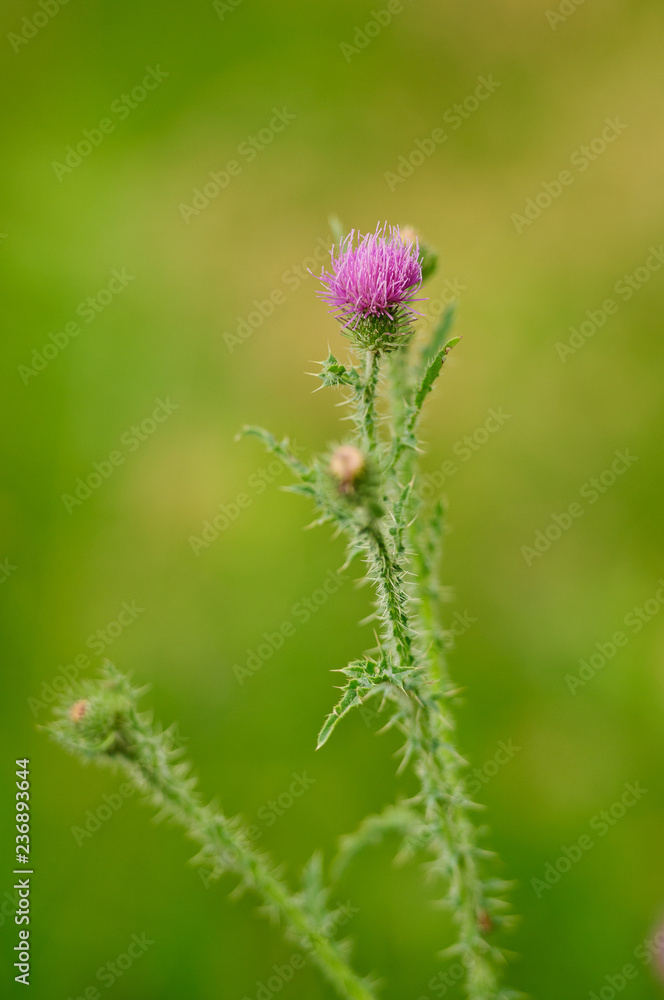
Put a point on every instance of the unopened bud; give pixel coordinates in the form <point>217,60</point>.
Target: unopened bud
<point>428,257</point>
<point>408,234</point>
<point>78,710</point>
<point>346,464</point>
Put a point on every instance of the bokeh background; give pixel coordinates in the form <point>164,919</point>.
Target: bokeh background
<point>67,574</point>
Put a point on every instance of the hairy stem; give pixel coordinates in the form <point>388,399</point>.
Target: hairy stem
<point>418,640</point>
<point>388,579</point>
<point>426,545</point>
<point>383,514</point>
<point>105,725</point>
<point>442,797</point>
<point>367,417</point>
<point>225,846</point>
<point>453,845</point>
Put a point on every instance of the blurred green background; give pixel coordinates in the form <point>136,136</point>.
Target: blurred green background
<point>67,574</point>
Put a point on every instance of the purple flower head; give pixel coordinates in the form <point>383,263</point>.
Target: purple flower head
<point>372,283</point>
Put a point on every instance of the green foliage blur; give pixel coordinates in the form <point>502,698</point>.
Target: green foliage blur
<point>518,429</point>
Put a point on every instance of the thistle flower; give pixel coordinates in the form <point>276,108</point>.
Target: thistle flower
<point>372,284</point>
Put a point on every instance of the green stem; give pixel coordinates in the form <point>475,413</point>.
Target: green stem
<point>224,844</point>
<point>453,844</point>
<point>399,387</point>
<point>368,399</point>
<point>426,544</point>
<point>442,797</point>
<point>111,730</point>
<point>392,598</point>
<point>442,787</point>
